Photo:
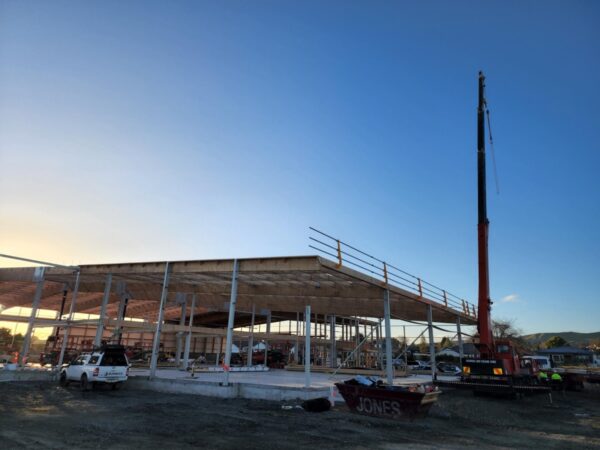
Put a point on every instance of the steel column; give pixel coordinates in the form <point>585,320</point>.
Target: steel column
<point>251,338</point>
<point>37,298</point>
<point>357,338</point>
<point>161,312</point>
<point>460,341</point>
<point>389,366</point>
<point>266,341</point>
<point>431,343</point>
<point>307,381</point>
<point>179,335</point>
<point>231,321</point>
<point>333,343</point>
<point>118,331</point>
<point>219,348</point>
<point>188,336</point>
<point>296,360</point>
<point>60,314</point>
<point>63,347</point>
<point>405,348</point>
<point>105,299</point>
<point>378,340</point>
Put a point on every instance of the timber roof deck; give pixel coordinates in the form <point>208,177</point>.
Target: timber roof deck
<point>282,285</point>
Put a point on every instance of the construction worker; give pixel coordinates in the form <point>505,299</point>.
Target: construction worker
<point>557,382</point>
<point>543,377</point>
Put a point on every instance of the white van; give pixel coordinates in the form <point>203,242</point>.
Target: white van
<point>543,362</point>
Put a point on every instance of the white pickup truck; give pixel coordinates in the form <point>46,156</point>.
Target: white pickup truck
<point>107,365</point>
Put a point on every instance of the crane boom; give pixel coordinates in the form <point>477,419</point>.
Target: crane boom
<point>486,339</point>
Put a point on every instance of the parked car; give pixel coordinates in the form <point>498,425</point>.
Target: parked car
<point>425,366</point>
<point>399,363</point>
<point>448,369</point>
<point>419,365</point>
<point>109,365</point>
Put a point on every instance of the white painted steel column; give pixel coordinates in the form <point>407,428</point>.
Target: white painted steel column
<point>378,340</point>
<point>179,335</point>
<point>357,342</point>
<point>296,360</point>
<point>105,299</point>
<point>333,342</point>
<point>307,381</point>
<point>161,312</point>
<point>405,348</point>
<point>38,277</point>
<point>460,342</point>
<point>230,324</point>
<point>188,336</point>
<point>251,339</point>
<point>389,366</point>
<point>266,339</point>
<point>63,347</point>
<point>219,348</point>
<point>123,300</point>
<point>431,343</point>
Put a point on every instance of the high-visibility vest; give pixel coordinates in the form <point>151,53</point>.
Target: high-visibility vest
<point>543,376</point>
<point>556,377</point>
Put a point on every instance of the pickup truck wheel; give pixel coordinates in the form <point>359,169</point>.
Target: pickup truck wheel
<point>63,379</point>
<point>85,385</point>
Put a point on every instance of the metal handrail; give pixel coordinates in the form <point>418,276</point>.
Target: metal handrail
<point>347,254</point>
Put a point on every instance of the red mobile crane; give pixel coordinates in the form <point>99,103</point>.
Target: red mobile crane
<point>498,364</point>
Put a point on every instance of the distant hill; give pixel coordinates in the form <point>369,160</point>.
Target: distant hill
<point>574,339</point>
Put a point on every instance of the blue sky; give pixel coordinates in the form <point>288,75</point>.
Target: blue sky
<point>137,131</point>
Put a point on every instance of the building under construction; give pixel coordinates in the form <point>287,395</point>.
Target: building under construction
<point>309,313</point>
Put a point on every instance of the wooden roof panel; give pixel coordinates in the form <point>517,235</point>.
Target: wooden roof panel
<point>285,285</point>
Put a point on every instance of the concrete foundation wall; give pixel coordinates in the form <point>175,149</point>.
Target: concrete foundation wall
<point>25,375</point>
<point>234,390</point>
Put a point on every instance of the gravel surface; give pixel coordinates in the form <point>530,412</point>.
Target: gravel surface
<point>43,415</point>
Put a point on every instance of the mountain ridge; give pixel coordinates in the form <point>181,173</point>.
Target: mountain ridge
<point>574,338</point>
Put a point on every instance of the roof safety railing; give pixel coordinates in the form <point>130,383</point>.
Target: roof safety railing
<point>346,254</point>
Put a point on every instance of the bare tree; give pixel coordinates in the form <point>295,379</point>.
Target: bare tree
<point>506,329</point>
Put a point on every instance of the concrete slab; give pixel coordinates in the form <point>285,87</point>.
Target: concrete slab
<point>275,385</point>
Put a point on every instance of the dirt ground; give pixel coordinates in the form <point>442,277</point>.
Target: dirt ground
<point>43,415</point>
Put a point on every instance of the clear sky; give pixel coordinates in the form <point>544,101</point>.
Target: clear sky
<point>141,130</point>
